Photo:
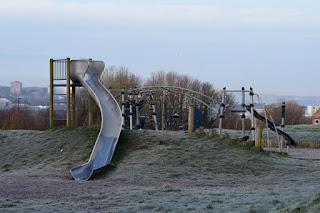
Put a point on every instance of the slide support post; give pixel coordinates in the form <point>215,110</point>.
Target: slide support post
<point>222,106</point>
<point>130,108</point>
<point>253,129</point>
<point>243,116</point>
<point>123,105</point>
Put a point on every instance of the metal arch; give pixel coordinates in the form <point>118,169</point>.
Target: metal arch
<point>149,94</point>
<point>174,87</point>
<point>165,88</point>
<point>190,96</point>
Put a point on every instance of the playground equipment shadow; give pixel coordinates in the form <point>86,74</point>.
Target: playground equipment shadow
<point>151,171</point>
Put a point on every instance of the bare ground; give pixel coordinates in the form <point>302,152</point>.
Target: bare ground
<point>153,172</point>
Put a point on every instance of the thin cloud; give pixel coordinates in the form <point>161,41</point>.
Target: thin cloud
<point>103,12</point>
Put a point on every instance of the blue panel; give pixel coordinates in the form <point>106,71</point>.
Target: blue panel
<point>197,117</point>
<point>142,120</point>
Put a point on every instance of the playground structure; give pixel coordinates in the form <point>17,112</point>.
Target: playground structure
<point>254,114</point>
<point>133,100</point>
<point>86,73</point>
<point>130,100</point>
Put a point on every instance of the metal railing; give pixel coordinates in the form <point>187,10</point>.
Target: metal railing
<point>60,69</point>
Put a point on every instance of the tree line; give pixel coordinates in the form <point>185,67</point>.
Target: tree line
<point>167,103</point>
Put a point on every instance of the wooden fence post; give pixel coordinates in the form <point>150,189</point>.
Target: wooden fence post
<point>191,119</point>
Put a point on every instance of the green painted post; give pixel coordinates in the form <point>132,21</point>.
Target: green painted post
<point>51,94</point>
<point>68,94</point>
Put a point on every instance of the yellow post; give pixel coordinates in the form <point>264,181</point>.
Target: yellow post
<point>212,133</point>
<point>191,119</point>
<point>73,115</point>
<point>51,94</point>
<point>90,110</point>
<point>259,137</point>
<point>68,94</point>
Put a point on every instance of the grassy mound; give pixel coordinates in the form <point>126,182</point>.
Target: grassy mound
<point>158,171</point>
<point>173,155</point>
<point>54,151</point>
<point>303,132</point>
<point>310,205</point>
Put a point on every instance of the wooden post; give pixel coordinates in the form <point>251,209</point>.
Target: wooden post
<point>73,115</point>
<point>191,119</point>
<point>51,94</point>
<point>212,133</point>
<point>259,137</point>
<point>68,94</point>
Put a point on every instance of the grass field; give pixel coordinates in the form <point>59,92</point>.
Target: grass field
<point>302,132</point>
<point>151,171</point>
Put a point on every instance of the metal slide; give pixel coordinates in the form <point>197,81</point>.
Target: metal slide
<point>272,126</point>
<point>87,72</point>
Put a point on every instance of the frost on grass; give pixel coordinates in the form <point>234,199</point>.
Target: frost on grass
<point>311,205</point>
<point>297,132</point>
<point>151,171</point>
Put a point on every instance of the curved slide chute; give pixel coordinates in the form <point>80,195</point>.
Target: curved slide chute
<point>272,126</point>
<point>87,72</point>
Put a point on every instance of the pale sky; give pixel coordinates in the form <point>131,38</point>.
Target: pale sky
<point>270,45</point>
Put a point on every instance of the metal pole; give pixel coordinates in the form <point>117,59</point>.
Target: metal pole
<point>191,119</point>
<point>154,113</point>
<point>123,103</point>
<point>252,115</point>
<point>68,93</point>
<point>163,112</point>
<point>51,94</point>
<point>73,115</point>
<point>243,116</point>
<point>283,121</point>
<point>222,106</point>
<point>136,93</point>
<point>130,105</point>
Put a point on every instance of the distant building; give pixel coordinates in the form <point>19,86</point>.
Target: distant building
<point>316,118</point>
<point>5,104</point>
<point>16,87</point>
<point>311,110</point>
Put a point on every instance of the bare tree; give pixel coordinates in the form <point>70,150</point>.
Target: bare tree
<point>178,103</point>
<point>294,112</point>
<point>118,77</point>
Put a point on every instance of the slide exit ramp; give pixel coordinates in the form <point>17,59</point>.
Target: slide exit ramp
<point>272,126</point>
<point>87,72</point>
